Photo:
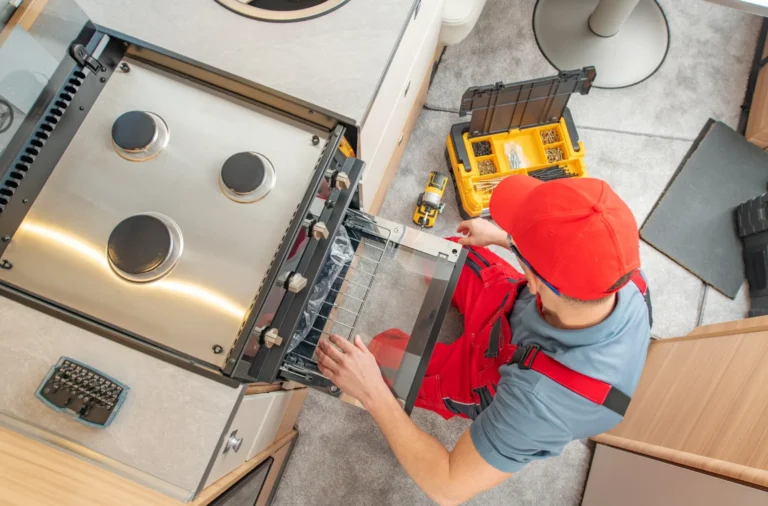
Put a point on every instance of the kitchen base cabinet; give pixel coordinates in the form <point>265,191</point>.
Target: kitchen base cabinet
<point>621,477</point>
<point>253,429</point>
<point>386,130</point>
<point>402,142</point>
<point>256,482</point>
<point>695,430</point>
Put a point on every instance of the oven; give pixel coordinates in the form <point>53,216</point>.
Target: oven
<point>232,260</point>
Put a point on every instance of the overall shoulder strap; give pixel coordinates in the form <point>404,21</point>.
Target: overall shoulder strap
<point>599,392</point>
<point>639,281</point>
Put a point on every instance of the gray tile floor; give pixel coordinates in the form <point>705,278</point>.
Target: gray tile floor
<point>634,138</point>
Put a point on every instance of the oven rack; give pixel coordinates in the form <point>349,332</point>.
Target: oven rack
<point>348,296</point>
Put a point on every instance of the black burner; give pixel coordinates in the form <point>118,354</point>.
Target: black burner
<point>282,10</point>
<point>243,173</point>
<point>284,5</point>
<point>134,130</point>
<point>139,244</point>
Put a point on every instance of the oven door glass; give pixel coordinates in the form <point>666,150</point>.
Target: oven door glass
<point>393,290</point>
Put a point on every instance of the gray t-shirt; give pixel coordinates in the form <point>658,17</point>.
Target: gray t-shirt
<point>531,416</point>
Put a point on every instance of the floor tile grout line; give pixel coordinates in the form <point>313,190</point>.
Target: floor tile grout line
<point>702,304</point>
<point>640,134</point>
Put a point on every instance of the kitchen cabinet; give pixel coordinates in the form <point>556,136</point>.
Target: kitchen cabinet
<point>622,477</point>
<point>700,404</point>
<point>255,427</point>
<point>386,127</point>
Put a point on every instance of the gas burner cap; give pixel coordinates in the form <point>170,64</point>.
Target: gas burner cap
<point>247,177</point>
<point>144,247</point>
<point>139,135</point>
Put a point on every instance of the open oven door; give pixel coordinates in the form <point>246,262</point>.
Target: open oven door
<point>392,288</point>
<point>362,275</point>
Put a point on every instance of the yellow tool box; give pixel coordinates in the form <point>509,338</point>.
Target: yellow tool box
<point>518,128</point>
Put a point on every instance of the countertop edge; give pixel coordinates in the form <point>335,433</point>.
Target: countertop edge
<point>139,42</point>
<point>357,120</point>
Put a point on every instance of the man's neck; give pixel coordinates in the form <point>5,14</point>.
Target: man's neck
<point>569,317</point>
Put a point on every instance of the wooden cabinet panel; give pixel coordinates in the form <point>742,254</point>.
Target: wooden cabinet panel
<point>701,402</point>
<point>32,472</point>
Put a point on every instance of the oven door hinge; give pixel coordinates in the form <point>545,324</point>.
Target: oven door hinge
<point>86,59</point>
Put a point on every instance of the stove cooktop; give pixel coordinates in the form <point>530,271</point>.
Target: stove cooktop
<point>164,214</point>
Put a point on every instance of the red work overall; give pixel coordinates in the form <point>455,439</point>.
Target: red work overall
<point>462,376</point>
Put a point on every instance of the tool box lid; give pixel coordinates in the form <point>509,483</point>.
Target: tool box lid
<point>502,107</point>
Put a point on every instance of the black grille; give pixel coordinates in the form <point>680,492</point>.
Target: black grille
<point>27,156</point>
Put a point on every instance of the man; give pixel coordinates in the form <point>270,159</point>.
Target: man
<point>547,356</point>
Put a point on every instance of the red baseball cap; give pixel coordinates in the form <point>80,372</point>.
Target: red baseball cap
<point>576,233</point>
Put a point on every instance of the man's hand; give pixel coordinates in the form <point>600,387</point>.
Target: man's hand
<point>480,232</point>
<point>352,368</point>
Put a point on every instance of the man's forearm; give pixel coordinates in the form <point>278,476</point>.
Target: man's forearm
<point>423,457</point>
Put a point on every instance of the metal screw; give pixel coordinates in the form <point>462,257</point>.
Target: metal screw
<point>103,80</point>
<point>315,140</point>
<point>124,67</point>
<point>333,389</point>
<point>311,112</point>
<point>6,238</point>
<point>82,107</point>
<point>25,201</point>
<point>217,349</point>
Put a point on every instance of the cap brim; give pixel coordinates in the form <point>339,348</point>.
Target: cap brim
<point>508,197</point>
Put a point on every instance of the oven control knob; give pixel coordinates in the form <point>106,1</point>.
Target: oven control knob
<point>342,181</point>
<point>272,339</point>
<point>320,231</point>
<point>292,282</point>
<point>296,283</point>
